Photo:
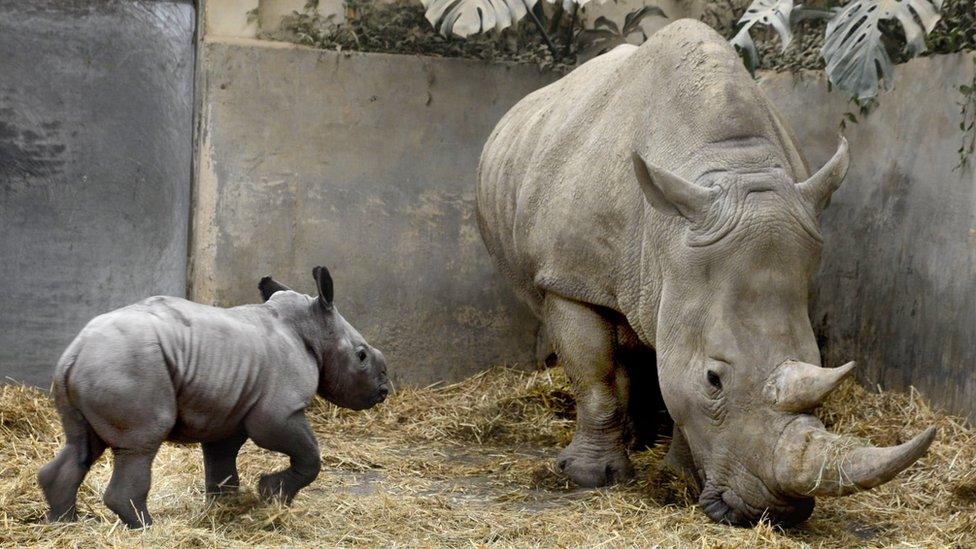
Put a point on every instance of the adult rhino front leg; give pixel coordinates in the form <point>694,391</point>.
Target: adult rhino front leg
<point>585,341</point>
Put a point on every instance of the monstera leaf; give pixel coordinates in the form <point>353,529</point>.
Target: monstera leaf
<point>606,35</point>
<point>765,12</point>
<point>856,57</point>
<point>467,17</point>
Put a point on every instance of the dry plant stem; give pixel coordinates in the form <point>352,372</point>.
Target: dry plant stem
<point>572,29</point>
<point>542,30</point>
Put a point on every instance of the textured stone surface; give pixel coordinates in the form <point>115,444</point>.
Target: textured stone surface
<point>364,163</point>
<point>896,290</point>
<point>95,157</point>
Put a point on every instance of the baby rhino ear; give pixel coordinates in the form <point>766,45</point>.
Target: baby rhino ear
<point>269,286</point>
<point>324,281</point>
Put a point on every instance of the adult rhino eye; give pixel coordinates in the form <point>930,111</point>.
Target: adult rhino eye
<point>714,380</point>
<point>361,355</point>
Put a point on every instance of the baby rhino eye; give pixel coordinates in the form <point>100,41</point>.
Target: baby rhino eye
<point>361,355</point>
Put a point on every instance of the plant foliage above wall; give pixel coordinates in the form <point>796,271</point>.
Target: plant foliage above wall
<point>606,35</point>
<point>854,50</point>
<point>401,27</point>
<point>404,26</point>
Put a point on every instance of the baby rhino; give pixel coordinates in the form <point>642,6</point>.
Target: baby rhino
<point>170,369</point>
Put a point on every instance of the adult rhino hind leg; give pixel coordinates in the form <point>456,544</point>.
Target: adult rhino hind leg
<point>584,340</point>
<point>220,465</point>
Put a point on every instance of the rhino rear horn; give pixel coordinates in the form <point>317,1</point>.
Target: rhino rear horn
<point>268,286</point>
<point>324,282</point>
<point>817,190</point>
<point>670,193</point>
<point>800,387</point>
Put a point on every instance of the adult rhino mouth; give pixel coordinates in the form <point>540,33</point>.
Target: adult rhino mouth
<point>724,505</point>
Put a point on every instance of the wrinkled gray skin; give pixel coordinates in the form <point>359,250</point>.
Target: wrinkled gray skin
<point>653,200</point>
<point>170,369</point>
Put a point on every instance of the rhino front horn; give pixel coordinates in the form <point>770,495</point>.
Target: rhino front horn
<point>813,462</point>
<point>800,386</point>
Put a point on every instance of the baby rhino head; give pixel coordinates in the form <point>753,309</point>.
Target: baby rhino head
<point>352,373</point>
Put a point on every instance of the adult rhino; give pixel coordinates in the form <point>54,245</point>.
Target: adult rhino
<point>654,202</point>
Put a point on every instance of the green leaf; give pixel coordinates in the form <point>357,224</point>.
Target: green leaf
<point>765,12</point>
<point>633,19</point>
<point>857,60</point>
<point>466,17</point>
<point>604,23</point>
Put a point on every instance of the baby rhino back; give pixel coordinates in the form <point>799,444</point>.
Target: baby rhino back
<point>172,367</point>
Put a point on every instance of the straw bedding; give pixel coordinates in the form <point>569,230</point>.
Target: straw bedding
<point>471,464</point>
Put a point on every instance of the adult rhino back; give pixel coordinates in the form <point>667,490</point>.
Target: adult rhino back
<point>654,211</point>
<point>558,165</point>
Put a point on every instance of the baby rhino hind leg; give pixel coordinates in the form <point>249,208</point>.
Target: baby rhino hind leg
<point>61,478</point>
<point>134,417</point>
<point>127,491</point>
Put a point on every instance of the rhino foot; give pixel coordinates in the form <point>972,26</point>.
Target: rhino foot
<point>273,486</point>
<point>593,469</point>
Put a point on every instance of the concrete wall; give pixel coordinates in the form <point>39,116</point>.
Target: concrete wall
<point>95,160</point>
<point>897,286</point>
<point>365,163</point>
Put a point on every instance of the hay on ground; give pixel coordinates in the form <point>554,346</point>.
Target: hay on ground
<point>471,464</point>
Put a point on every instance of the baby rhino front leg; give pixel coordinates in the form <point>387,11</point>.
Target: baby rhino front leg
<point>294,438</point>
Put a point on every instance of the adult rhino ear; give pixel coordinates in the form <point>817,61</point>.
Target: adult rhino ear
<point>324,282</point>
<point>268,286</point>
<point>670,193</point>
<point>817,190</point>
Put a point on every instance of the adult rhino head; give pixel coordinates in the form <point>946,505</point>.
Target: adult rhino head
<point>738,363</point>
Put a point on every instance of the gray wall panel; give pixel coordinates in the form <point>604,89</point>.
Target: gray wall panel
<point>95,159</point>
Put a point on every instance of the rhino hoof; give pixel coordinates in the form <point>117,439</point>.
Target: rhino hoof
<point>590,472</point>
<point>270,487</point>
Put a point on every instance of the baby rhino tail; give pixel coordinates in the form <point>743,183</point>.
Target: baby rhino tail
<point>61,478</point>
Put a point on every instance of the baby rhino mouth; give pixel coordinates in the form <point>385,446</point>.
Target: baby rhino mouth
<point>723,504</point>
